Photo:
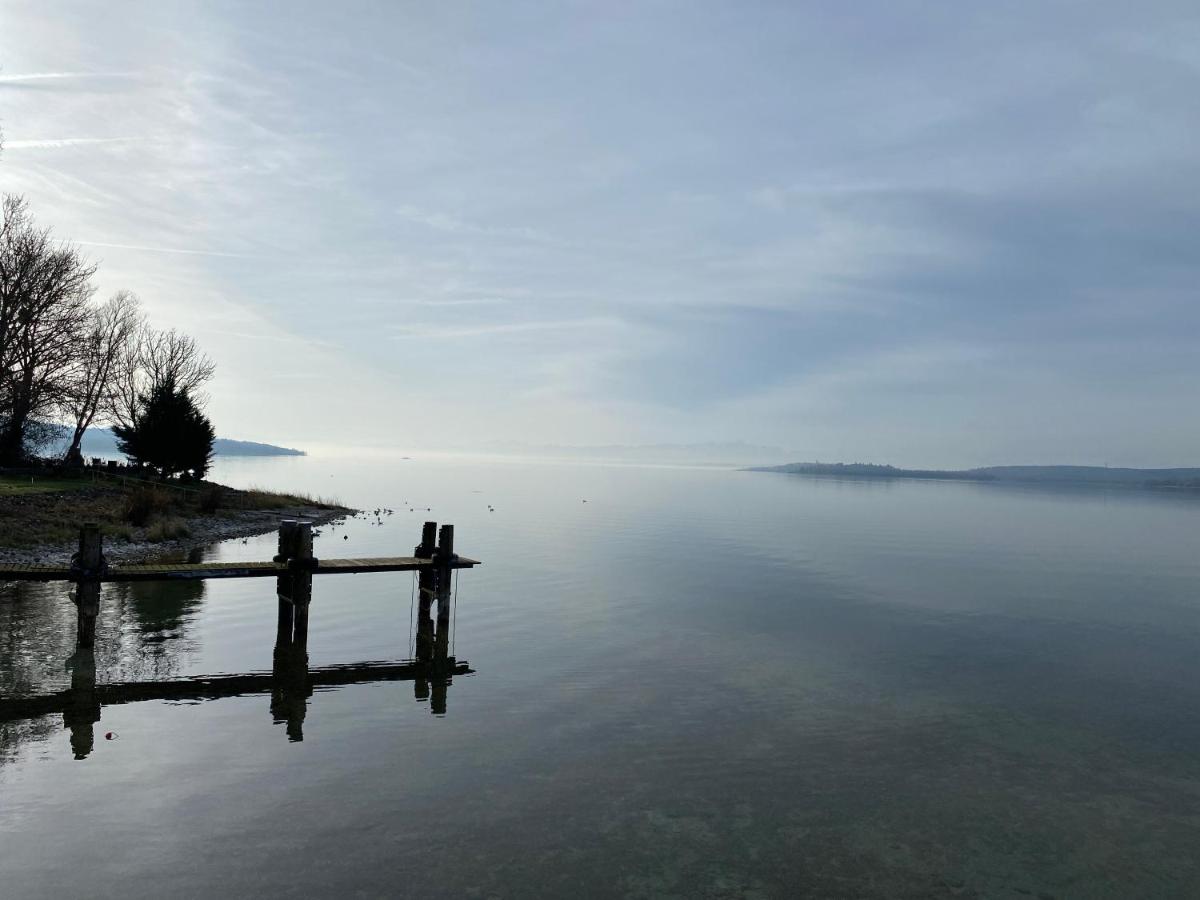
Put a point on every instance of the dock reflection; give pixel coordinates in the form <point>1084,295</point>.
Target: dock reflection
<point>290,684</point>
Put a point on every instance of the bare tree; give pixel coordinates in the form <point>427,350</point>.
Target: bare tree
<point>171,356</point>
<point>150,360</point>
<point>111,328</point>
<point>44,288</point>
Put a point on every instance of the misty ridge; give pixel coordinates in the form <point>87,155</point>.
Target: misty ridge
<point>102,442</point>
<point>710,453</point>
<point>1188,478</point>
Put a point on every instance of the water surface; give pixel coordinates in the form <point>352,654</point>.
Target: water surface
<point>697,683</point>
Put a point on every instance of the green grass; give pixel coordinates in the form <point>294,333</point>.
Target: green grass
<point>12,485</point>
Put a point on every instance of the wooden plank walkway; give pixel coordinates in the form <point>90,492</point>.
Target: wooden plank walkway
<point>190,571</point>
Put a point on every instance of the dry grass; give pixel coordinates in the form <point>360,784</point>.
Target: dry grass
<point>169,529</point>
<point>124,533</point>
<point>144,503</point>
<point>50,512</point>
<point>259,498</point>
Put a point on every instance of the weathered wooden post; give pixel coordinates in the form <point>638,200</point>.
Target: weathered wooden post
<point>426,588</point>
<point>301,565</point>
<point>88,564</point>
<point>443,558</point>
<point>289,691</point>
<point>283,586</point>
<point>287,540</point>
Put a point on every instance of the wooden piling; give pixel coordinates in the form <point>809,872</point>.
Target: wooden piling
<point>290,659</point>
<point>283,586</point>
<point>428,541</point>
<point>444,575</point>
<point>301,582</point>
<point>303,541</point>
<point>287,540</point>
<point>89,561</point>
<point>426,588</point>
<point>294,588</point>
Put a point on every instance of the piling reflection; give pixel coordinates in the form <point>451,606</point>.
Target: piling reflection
<point>290,689</point>
<point>81,710</point>
<point>159,612</point>
<point>290,684</point>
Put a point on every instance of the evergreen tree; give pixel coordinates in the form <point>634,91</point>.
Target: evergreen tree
<point>170,434</point>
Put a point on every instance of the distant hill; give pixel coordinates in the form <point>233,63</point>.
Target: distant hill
<point>727,453</point>
<point>1157,478</point>
<point>102,442</point>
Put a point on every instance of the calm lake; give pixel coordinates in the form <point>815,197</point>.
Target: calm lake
<point>697,683</point>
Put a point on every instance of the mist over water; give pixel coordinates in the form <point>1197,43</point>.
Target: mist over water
<point>699,682</point>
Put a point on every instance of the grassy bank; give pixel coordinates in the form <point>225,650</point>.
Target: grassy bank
<point>47,511</point>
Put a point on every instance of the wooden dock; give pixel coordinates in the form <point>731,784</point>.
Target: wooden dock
<point>290,681</point>
<point>190,571</point>
<point>293,568</point>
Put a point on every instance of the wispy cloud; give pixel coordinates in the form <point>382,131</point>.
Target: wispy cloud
<point>443,332</point>
<point>55,143</point>
<point>148,249</point>
<point>454,225</point>
<point>25,77</point>
<point>876,231</point>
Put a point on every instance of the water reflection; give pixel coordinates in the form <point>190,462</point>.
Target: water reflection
<point>81,710</point>
<point>160,609</point>
<point>160,613</point>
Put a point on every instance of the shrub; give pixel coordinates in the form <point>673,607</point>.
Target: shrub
<point>212,498</point>
<point>123,532</point>
<point>168,530</point>
<point>143,503</point>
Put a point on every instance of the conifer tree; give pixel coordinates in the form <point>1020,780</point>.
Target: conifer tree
<point>171,434</point>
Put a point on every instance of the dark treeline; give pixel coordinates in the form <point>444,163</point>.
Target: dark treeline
<point>1156,478</point>
<point>860,470</point>
<point>65,358</point>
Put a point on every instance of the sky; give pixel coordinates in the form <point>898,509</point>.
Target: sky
<point>930,234</point>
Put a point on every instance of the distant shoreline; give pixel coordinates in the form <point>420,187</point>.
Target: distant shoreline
<point>102,442</point>
<point>1092,476</point>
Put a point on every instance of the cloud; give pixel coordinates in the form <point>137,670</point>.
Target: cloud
<point>452,332</point>
<point>794,224</point>
<point>150,249</point>
<point>27,77</point>
<point>55,143</point>
<point>453,225</point>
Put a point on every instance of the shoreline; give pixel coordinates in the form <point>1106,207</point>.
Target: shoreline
<point>141,521</point>
<point>204,531</point>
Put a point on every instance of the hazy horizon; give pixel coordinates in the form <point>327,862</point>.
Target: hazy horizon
<point>930,236</point>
